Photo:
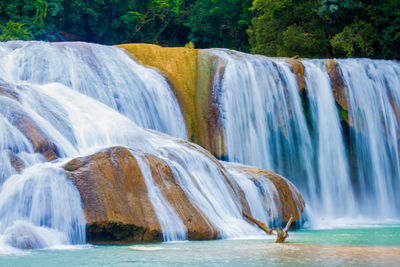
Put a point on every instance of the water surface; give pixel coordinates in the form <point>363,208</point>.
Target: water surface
<point>373,246</point>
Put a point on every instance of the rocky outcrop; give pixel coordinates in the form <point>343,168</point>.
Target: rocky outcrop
<point>298,69</point>
<point>211,70</point>
<point>116,203</point>
<point>179,66</point>
<point>192,75</point>
<point>118,209</point>
<point>20,119</point>
<point>339,90</point>
<point>290,200</point>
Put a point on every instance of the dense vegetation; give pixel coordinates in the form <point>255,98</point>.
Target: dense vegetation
<point>308,28</point>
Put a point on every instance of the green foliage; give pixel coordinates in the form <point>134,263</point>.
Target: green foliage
<point>326,28</point>
<point>13,31</point>
<point>220,23</point>
<point>308,28</point>
<point>37,15</point>
<point>356,39</point>
<point>287,28</point>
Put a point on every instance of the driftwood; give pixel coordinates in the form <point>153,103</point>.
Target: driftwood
<point>281,234</point>
<point>260,225</point>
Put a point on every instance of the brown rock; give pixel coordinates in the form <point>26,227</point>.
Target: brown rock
<point>116,203</point>
<point>291,201</point>
<point>210,70</point>
<point>179,66</point>
<point>339,90</point>
<point>24,123</point>
<point>298,69</point>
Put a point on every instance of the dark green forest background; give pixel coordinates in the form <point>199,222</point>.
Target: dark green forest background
<point>307,28</point>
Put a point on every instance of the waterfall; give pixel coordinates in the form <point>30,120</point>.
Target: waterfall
<point>104,73</point>
<point>261,196</point>
<point>263,119</point>
<point>172,226</point>
<point>334,194</point>
<point>40,208</point>
<point>374,100</point>
<point>269,123</point>
<point>72,112</point>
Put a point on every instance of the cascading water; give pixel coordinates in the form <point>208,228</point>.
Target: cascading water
<point>265,125</point>
<point>263,119</point>
<point>172,226</point>
<point>105,73</point>
<point>334,194</point>
<point>66,109</point>
<point>255,194</point>
<point>374,99</point>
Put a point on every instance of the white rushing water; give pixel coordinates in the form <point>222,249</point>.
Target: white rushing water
<point>335,196</point>
<point>40,207</point>
<point>104,73</point>
<point>171,225</point>
<point>265,125</point>
<point>263,119</point>
<point>374,101</point>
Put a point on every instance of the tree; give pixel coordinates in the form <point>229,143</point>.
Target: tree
<point>220,23</point>
<point>287,28</point>
<point>13,31</point>
<point>356,39</point>
<point>38,16</point>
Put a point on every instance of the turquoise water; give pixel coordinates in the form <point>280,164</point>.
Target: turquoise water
<point>378,246</point>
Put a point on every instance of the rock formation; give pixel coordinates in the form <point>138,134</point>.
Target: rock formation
<point>116,203</point>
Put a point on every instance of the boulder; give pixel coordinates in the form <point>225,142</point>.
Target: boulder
<point>298,69</point>
<point>290,200</point>
<point>339,90</point>
<point>116,203</point>
<point>16,115</point>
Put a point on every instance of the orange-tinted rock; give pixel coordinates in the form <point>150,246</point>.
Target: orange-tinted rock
<point>197,224</point>
<point>298,69</point>
<point>210,69</point>
<point>116,203</point>
<point>114,196</point>
<point>179,66</point>
<point>291,201</point>
<point>339,90</point>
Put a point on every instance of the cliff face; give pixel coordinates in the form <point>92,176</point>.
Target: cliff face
<point>179,66</point>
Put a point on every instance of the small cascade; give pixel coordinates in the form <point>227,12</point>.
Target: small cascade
<point>40,208</point>
<point>104,73</point>
<point>204,183</point>
<point>374,100</point>
<point>262,196</point>
<point>334,195</point>
<point>263,119</point>
<point>270,124</point>
<point>171,224</point>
